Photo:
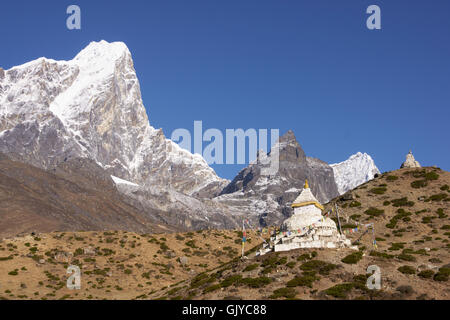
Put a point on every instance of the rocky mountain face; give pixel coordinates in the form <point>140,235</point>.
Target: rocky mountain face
<point>52,112</point>
<point>178,209</point>
<point>91,107</point>
<point>88,114</point>
<point>354,171</point>
<point>268,197</point>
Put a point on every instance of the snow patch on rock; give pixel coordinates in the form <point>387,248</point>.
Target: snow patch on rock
<point>121,181</point>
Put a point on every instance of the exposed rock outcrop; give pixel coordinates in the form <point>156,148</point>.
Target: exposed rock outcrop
<point>267,196</point>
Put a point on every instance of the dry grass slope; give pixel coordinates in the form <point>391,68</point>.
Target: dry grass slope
<point>412,231</point>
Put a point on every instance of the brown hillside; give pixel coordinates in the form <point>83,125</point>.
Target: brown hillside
<point>78,195</point>
<point>412,232</point>
<point>114,265</point>
<point>411,226</point>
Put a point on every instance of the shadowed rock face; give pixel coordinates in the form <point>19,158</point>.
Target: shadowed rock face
<point>76,195</point>
<point>281,189</point>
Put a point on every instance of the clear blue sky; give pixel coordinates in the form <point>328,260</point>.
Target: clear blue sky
<point>310,66</point>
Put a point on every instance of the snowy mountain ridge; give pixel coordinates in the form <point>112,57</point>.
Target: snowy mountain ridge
<point>354,171</point>
<point>55,112</point>
<point>91,107</point>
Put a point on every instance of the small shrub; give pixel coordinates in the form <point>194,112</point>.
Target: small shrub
<point>419,184</point>
<point>230,280</point>
<point>339,290</point>
<point>291,264</point>
<point>273,261</point>
<point>401,215</point>
<point>378,190</point>
<point>407,270</point>
<point>402,202</point>
<point>431,176</point>
<point>303,281</point>
<point>405,290</point>
<point>256,282</point>
<point>304,257</point>
<point>14,272</point>
<point>406,257</point>
<point>355,204</point>
<point>179,237</point>
<point>374,212</point>
<point>440,277</point>
<point>199,280</point>
<point>427,274</point>
<point>6,258</point>
<point>438,197</point>
<point>391,178</point>
<point>251,267</point>
<point>212,288</point>
<point>427,220</point>
<point>319,266</point>
<point>353,258</point>
<point>396,246</point>
<point>191,243</point>
<point>288,293</point>
<point>441,214</point>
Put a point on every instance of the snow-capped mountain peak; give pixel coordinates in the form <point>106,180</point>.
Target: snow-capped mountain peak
<point>354,171</point>
<point>102,49</point>
<point>91,107</point>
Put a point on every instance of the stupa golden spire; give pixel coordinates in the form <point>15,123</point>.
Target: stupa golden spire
<point>306,198</point>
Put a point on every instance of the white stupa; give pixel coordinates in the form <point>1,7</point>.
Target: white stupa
<point>410,162</point>
<point>307,227</point>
